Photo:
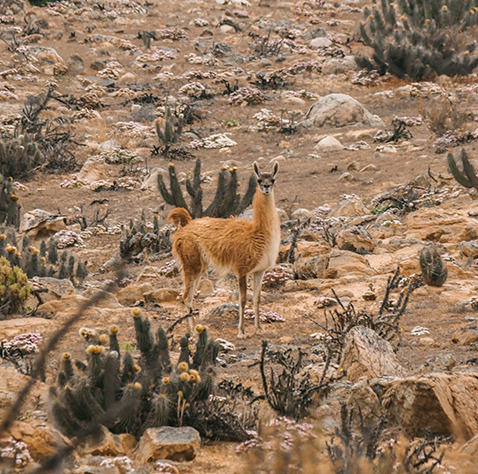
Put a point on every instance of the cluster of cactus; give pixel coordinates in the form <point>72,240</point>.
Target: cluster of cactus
<point>42,262</point>
<point>466,178</point>
<point>18,155</point>
<point>173,127</point>
<point>137,238</point>
<point>9,205</point>
<point>227,202</point>
<point>156,391</point>
<point>419,38</point>
<point>14,288</point>
<point>433,268</point>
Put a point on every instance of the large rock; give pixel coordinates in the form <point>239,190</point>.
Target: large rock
<point>434,404</point>
<point>105,443</point>
<point>56,288</point>
<point>40,224</point>
<point>177,444</point>
<point>132,293</point>
<point>314,267</point>
<point>11,383</point>
<point>339,110</point>
<point>106,300</point>
<point>92,171</point>
<point>41,438</point>
<point>343,263</point>
<point>65,303</point>
<point>365,353</point>
<point>44,57</point>
<point>339,65</point>
<point>13,327</point>
<point>440,225</point>
<point>163,295</point>
<point>349,206</point>
<point>355,239</point>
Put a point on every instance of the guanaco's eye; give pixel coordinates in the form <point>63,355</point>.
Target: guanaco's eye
<point>259,181</point>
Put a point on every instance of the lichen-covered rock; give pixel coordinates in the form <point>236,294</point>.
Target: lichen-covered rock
<point>106,443</point>
<point>349,206</point>
<point>355,239</point>
<point>365,353</point>
<point>434,404</point>
<point>163,295</point>
<point>176,444</point>
<point>338,110</point>
<point>39,223</point>
<point>132,293</point>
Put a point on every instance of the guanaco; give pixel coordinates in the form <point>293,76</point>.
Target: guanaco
<point>230,245</point>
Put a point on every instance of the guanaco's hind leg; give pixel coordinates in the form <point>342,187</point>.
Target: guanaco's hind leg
<point>242,303</point>
<point>257,297</point>
<point>194,266</point>
<point>190,285</point>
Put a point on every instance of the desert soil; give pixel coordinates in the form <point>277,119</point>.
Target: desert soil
<point>308,177</point>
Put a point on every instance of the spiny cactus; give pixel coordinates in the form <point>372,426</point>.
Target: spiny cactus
<point>157,393</point>
<point>173,127</point>
<point>9,205</point>
<point>419,38</point>
<point>226,201</point>
<point>14,288</point>
<point>18,156</point>
<point>33,261</point>
<point>466,178</point>
<point>433,268</point>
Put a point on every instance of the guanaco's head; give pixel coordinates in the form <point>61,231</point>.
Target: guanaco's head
<point>266,180</point>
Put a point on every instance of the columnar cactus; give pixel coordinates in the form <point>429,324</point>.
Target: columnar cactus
<point>418,38</point>
<point>227,202</point>
<point>18,155</point>
<point>154,392</point>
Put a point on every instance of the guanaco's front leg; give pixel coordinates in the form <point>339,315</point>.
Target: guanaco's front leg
<point>242,303</point>
<point>257,298</point>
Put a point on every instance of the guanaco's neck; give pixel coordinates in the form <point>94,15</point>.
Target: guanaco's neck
<point>265,214</point>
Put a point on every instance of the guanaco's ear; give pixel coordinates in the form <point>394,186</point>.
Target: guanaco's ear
<point>257,171</point>
<point>275,169</point>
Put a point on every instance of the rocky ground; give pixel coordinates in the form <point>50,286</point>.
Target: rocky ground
<point>360,200</point>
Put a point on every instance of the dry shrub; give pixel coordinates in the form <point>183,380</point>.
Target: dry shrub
<point>441,115</point>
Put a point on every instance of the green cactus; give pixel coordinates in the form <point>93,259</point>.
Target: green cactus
<point>18,155</point>
<point>466,178</point>
<point>156,393</point>
<point>226,201</point>
<point>422,40</point>
<point>9,205</point>
<point>173,127</point>
<point>433,268</point>
<point>53,251</point>
<point>14,288</point>
<point>81,272</point>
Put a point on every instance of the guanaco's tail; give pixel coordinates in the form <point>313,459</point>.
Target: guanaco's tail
<point>180,216</point>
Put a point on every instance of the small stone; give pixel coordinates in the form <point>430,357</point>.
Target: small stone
<point>426,341</point>
<point>329,144</point>
<point>347,177</point>
<point>226,29</point>
<point>176,444</point>
<point>302,215</point>
<point>109,145</point>
<point>319,42</point>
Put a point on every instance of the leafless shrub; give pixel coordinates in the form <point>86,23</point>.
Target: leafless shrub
<point>263,46</point>
<point>442,115</point>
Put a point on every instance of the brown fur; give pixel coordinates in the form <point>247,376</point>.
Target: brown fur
<point>230,245</point>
